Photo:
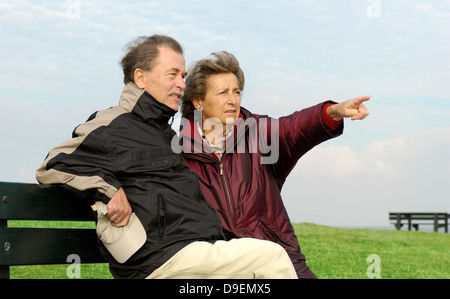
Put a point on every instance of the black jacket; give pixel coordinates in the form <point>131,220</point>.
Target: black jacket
<point>129,146</point>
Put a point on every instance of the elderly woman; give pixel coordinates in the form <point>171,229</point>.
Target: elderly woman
<point>225,145</point>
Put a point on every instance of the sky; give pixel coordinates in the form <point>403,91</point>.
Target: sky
<point>60,63</point>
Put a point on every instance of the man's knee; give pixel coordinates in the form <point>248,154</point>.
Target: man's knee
<point>273,260</point>
<point>268,247</point>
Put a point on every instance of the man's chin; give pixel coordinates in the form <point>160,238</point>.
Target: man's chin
<point>173,103</point>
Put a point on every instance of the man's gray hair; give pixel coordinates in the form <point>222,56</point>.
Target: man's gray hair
<point>142,53</point>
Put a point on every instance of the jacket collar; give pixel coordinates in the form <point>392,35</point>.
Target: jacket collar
<point>139,102</point>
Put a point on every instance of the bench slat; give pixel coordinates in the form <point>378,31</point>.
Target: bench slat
<point>41,202</point>
<point>49,246</point>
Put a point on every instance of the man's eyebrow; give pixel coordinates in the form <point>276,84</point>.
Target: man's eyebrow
<point>174,69</point>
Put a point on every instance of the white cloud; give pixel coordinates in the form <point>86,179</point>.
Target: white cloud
<point>431,11</point>
<point>336,185</point>
<point>336,161</point>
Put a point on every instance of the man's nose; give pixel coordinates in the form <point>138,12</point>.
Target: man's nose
<point>181,84</point>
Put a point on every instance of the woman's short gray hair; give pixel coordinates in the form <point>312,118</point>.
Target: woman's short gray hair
<point>220,63</point>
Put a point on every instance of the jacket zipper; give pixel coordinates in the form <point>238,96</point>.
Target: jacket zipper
<point>225,183</point>
<point>215,160</point>
<point>230,202</point>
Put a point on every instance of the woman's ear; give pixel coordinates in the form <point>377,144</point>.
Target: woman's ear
<point>139,77</point>
<point>197,104</point>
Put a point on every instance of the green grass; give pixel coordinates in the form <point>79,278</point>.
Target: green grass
<point>87,271</point>
<point>342,253</point>
<point>331,253</point>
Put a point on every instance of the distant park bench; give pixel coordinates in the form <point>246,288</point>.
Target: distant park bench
<point>416,219</point>
<point>42,246</point>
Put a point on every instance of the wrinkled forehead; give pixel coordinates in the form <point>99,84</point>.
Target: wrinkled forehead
<point>222,81</point>
<point>169,59</point>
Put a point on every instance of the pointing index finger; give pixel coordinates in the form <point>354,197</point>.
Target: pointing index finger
<point>363,98</point>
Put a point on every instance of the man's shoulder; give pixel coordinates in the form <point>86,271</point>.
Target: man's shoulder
<point>106,116</point>
<point>102,118</point>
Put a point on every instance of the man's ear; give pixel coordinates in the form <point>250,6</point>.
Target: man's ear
<point>139,77</point>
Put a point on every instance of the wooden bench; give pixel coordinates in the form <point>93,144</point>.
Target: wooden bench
<point>415,219</point>
<point>43,246</point>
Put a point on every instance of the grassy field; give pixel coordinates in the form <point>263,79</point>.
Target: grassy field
<point>331,253</point>
<point>336,253</point>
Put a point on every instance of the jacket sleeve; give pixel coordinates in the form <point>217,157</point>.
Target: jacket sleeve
<point>297,134</point>
<point>82,165</point>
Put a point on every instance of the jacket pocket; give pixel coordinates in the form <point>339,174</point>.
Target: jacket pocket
<point>147,162</point>
<point>272,234</point>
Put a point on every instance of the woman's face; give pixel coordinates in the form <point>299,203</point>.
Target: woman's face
<point>222,100</point>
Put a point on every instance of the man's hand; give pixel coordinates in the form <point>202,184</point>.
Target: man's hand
<point>354,108</point>
<point>119,209</point>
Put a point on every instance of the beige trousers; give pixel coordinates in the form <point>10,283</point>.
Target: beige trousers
<point>235,259</point>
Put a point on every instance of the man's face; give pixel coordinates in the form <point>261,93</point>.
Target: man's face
<point>165,81</point>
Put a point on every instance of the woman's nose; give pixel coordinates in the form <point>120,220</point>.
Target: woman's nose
<point>233,99</point>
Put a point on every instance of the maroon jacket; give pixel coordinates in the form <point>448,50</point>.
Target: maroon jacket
<point>245,192</point>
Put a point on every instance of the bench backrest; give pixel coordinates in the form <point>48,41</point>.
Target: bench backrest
<point>37,246</point>
<point>418,216</point>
